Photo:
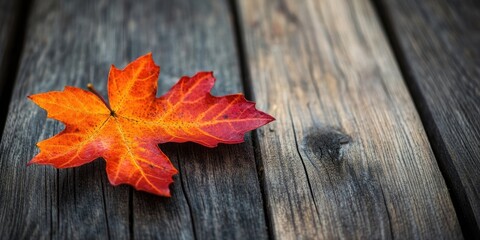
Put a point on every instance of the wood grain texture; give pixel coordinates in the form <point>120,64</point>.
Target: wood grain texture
<point>438,44</point>
<point>74,42</point>
<point>65,45</point>
<point>348,156</point>
<point>218,188</point>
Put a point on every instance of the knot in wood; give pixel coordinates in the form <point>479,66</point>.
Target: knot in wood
<point>326,144</point>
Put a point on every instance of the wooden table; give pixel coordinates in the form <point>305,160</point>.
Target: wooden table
<point>377,106</point>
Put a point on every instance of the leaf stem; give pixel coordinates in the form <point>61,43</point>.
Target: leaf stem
<point>92,89</point>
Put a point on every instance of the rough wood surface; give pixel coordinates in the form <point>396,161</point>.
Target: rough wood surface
<point>348,156</point>
<point>217,193</point>
<point>66,44</point>
<point>218,188</point>
<point>438,44</point>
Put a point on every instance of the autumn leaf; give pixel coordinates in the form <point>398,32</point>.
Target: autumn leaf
<point>127,130</point>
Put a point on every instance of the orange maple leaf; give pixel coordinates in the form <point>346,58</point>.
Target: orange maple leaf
<point>126,132</point>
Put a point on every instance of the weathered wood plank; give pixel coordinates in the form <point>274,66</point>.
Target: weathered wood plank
<point>438,45</point>
<point>347,156</point>
<point>72,43</point>
<point>218,188</point>
<point>67,43</point>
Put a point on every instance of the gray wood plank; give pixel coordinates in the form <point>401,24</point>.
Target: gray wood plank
<point>438,45</point>
<point>72,43</point>
<point>348,156</point>
<point>66,44</point>
<point>218,188</point>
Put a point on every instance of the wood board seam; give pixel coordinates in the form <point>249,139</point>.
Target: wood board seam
<point>245,75</point>
<point>443,159</point>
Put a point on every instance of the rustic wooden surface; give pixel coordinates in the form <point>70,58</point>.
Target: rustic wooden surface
<point>347,156</point>
<point>217,193</point>
<point>438,42</point>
